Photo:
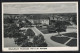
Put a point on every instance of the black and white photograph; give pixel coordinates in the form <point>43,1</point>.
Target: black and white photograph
<point>40,26</point>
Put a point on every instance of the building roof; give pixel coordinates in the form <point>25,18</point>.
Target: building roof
<point>51,18</point>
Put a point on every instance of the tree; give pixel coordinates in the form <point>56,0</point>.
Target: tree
<point>28,44</point>
<point>59,26</point>
<point>8,20</point>
<point>30,33</point>
<point>39,41</point>
<point>29,23</point>
<point>21,40</point>
<point>74,20</point>
<point>11,30</point>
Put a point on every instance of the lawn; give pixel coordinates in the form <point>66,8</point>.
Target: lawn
<point>71,35</point>
<point>73,42</point>
<point>43,30</point>
<point>61,40</point>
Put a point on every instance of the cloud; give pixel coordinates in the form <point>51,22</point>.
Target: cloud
<point>39,8</point>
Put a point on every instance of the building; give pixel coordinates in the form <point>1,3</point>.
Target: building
<point>39,20</point>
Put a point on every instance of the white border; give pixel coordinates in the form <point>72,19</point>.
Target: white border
<point>48,48</point>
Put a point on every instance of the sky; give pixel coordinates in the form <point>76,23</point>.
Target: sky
<point>33,8</point>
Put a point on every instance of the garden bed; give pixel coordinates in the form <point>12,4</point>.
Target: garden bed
<point>71,35</point>
<point>61,40</point>
<point>65,37</point>
<point>73,42</point>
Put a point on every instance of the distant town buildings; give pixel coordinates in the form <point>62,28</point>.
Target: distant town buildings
<point>38,19</point>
